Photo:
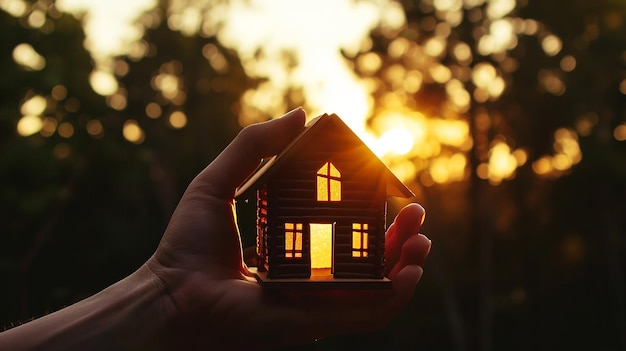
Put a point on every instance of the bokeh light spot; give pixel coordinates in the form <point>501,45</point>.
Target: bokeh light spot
<point>35,105</point>
<point>95,128</point>
<point>16,8</point>
<point>551,45</point>
<point>49,126</point>
<point>66,130</point>
<point>26,56</point>
<point>103,83</point>
<point>133,132</point>
<point>29,125</point>
<point>619,133</point>
<point>178,119</point>
<point>59,92</point>
<point>153,110</point>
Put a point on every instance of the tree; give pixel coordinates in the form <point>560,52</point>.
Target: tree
<point>90,180</point>
<point>534,84</point>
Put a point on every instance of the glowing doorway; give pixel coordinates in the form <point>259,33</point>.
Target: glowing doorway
<point>321,248</point>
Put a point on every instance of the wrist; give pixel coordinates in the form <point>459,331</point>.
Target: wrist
<point>128,315</point>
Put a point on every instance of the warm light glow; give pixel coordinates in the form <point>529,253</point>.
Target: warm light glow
<point>133,132</point>
<point>26,56</point>
<point>398,141</point>
<point>568,63</point>
<point>451,132</point>
<point>111,27</point>
<point>501,37</point>
<point>293,240</point>
<point>435,46</point>
<point>369,63</point>
<point>488,80</point>
<point>59,92</point>
<point>432,149</point>
<point>168,84</point>
<point>321,245</point>
<point>153,110</point>
<point>328,183</point>
<point>439,171</point>
<point>566,142</point>
<point>458,95</point>
<point>16,8</point>
<point>499,8</point>
<point>502,163</point>
<point>217,61</point>
<point>178,119</point>
<point>619,133</point>
<point>188,22</point>
<point>463,53</point>
<point>318,33</point>
<point>551,45</point>
<point>398,47</point>
<point>586,123</point>
<point>117,101</point>
<point>49,126</point>
<point>440,73</point>
<point>561,162</point>
<point>95,128</point>
<point>36,105</point>
<point>447,5</point>
<point>103,83</point>
<point>400,132</point>
<point>413,81</point>
<point>542,166</point>
<point>29,125</point>
<point>360,239</point>
<point>37,19</point>
<point>66,130</point>
<point>567,153</point>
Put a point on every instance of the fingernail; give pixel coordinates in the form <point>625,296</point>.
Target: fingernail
<point>299,108</point>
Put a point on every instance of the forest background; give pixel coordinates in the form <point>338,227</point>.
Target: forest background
<point>506,118</point>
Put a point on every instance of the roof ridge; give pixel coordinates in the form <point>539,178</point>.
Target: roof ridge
<point>308,132</point>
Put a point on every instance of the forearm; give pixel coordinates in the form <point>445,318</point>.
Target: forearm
<point>129,315</point>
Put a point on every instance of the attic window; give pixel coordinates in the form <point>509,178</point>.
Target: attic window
<point>359,239</point>
<point>328,183</point>
<point>293,240</point>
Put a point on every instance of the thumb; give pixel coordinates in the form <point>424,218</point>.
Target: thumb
<point>255,142</point>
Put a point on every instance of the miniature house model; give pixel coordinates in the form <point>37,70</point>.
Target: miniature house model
<point>321,210</point>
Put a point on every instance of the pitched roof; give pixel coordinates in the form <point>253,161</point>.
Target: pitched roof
<point>394,186</point>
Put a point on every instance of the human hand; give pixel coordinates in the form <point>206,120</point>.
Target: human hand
<point>211,300</point>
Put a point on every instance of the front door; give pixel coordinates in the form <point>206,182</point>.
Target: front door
<point>321,248</point>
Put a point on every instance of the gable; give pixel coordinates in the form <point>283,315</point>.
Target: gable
<point>325,132</point>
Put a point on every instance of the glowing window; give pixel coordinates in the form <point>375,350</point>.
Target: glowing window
<point>293,240</point>
<point>328,183</point>
<point>359,239</point>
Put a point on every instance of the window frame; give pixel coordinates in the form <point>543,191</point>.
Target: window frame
<point>360,240</point>
<point>294,234</point>
<point>327,183</point>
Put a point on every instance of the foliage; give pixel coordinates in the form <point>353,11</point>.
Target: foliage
<point>523,256</point>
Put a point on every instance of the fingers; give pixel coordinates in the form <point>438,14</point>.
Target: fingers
<point>244,153</point>
<point>406,224</point>
<point>414,252</point>
<point>404,284</point>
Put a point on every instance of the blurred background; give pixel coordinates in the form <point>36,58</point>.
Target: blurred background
<point>507,119</point>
